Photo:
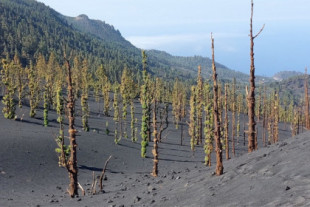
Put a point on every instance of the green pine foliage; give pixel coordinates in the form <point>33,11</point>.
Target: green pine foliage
<point>9,82</point>
<point>84,98</point>
<point>33,90</point>
<point>45,108</point>
<point>208,128</point>
<point>145,99</point>
<point>62,148</point>
<point>116,117</point>
<point>192,118</point>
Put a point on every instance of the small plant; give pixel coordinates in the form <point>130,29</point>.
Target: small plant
<point>107,131</point>
<point>66,149</point>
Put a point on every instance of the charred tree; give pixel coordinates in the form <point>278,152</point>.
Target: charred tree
<point>233,117</point>
<point>226,125</point>
<point>217,125</point>
<point>72,162</point>
<point>155,139</point>
<point>306,101</point>
<point>251,94</point>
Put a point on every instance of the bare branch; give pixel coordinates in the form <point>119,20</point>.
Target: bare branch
<point>93,185</point>
<point>259,31</point>
<point>82,189</point>
<point>103,171</point>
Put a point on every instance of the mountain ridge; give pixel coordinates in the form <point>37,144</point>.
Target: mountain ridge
<point>38,29</point>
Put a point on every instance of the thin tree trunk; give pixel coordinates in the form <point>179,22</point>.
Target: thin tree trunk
<point>72,163</point>
<point>226,125</point>
<point>243,129</point>
<point>103,172</point>
<point>306,101</point>
<point>217,124</point>
<point>155,141</point>
<point>233,119</point>
<point>251,95</point>
<point>181,134</point>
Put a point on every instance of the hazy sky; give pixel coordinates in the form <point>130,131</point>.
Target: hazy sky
<point>183,27</point>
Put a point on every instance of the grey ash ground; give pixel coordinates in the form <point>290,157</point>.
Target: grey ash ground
<point>278,175</point>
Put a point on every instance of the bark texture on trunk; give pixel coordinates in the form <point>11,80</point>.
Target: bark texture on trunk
<point>251,94</point>
<point>155,141</point>
<point>306,101</point>
<point>72,162</point>
<point>226,125</point>
<point>217,125</point>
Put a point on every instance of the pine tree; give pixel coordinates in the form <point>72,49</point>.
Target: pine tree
<point>233,116</point>
<point>226,124</point>
<point>21,80</point>
<point>76,77</point>
<point>276,117</point>
<point>217,124</point>
<point>116,117</point>
<point>307,101</point>
<point>176,104</point>
<point>192,118</point>
<point>133,123</point>
<point>9,81</point>
<point>240,106</point>
<point>34,89</point>
<point>208,129</point>
<point>84,97</point>
<point>128,93</point>
<point>145,102</point>
<point>155,134</point>
<point>105,85</point>
<point>62,150</point>
<point>199,105</point>
<point>45,108</point>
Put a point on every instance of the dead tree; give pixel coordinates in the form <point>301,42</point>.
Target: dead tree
<point>226,125</point>
<point>155,140</point>
<point>251,95</point>
<point>72,162</point>
<point>103,172</point>
<point>233,117</point>
<point>306,101</point>
<point>217,124</point>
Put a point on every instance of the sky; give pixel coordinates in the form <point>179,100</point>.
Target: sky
<point>183,27</point>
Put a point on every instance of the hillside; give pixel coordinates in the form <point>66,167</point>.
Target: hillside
<point>283,75</point>
<point>291,88</point>
<point>168,64</point>
<point>30,28</point>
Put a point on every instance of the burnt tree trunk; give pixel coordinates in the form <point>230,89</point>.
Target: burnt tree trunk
<point>217,125</point>
<point>251,95</point>
<point>306,101</point>
<point>155,141</point>
<point>226,125</point>
<point>72,162</point>
<point>233,119</point>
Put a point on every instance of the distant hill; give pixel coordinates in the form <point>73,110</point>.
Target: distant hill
<point>283,75</point>
<point>30,28</point>
<point>292,88</point>
<point>97,28</point>
<point>162,62</point>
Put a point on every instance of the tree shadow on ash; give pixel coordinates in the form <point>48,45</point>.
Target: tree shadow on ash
<point>175,160</point>
<point>183,161</point>
<point>138,147</point>
<point>96,169</point>
<point>33,122</point>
